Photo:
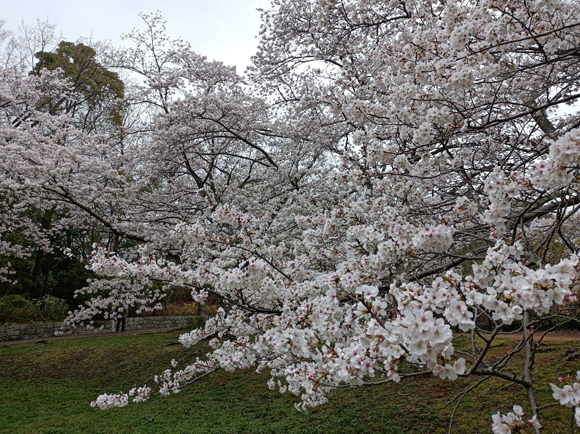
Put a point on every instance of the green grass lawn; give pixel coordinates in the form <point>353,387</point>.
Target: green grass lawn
<point>47,388</point>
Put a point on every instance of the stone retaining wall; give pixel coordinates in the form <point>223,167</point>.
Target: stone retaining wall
<point>45,330</point>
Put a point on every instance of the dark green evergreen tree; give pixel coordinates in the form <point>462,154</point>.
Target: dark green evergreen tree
<point>102,90</point>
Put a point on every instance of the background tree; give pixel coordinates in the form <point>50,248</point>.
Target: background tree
<point>92,103</point>
<point>102,89</point>
<point>19,47</point>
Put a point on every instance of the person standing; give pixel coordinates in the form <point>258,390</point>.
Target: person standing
<point>121,318</point>
<point>114,315</point>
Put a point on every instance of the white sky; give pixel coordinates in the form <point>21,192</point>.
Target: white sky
<point>223,30</point>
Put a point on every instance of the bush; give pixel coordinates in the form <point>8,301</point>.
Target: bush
<point>52,309</point>
<point>183,309</point>
<point>17,309</point>
<point>178,294</point>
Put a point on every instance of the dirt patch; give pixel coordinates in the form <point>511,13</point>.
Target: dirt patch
<point>571,335</point>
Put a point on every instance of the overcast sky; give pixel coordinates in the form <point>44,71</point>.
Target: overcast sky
<point>223,30</point>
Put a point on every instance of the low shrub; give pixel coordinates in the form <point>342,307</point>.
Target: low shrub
<point>17,309</point>
<point>51,308</point>
<point>211,309</point>
<point>181,309</point>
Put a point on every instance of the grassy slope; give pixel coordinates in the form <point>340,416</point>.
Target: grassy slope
<point>47,388</point>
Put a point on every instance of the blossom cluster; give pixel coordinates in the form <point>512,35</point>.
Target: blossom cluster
<point>513,422</point>
<point>569,395</point>
<point>434,238</point>
<point>105,401</point>
<point>560,167</point>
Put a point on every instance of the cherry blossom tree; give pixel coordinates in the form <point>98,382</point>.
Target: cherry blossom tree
<point>18,47</point>
<point>76,97</point>
<point>56,166</point>
<point>388,176</point>
<point>213,142</point>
